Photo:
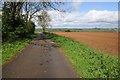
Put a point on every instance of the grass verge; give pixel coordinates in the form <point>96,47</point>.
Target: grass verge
<point>88,62</point>
<point>10,49</point>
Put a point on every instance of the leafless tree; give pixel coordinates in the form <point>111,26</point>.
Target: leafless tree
<point>44,20</point>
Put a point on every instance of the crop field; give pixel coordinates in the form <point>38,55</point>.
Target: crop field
<point>103,41</point>
<point>88,62</point>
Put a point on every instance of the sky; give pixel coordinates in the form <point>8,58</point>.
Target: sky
<point>85,15</point>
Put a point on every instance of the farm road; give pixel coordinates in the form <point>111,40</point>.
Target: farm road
<point>40,59</point>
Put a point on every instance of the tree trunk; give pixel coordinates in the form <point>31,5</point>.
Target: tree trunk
<point>43,29</point>
<point>26,9</point>
<point>19,4</point>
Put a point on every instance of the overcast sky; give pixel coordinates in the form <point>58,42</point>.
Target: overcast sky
<point>85,15</point>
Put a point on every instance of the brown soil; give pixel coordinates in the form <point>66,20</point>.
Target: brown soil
<point>104,41</point>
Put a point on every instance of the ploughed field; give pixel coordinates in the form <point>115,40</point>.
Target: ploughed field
<point>103,41</point>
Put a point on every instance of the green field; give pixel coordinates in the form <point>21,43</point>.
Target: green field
<point>88,62</point>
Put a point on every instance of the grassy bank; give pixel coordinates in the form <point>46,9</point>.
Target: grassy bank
<point>88,62</point>
<point>10,49</point>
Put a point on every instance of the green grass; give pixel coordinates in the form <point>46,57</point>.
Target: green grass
<point>88,62</point>
<point>10,49</point>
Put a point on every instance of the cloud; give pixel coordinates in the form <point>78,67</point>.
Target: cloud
<point>101,16</point>
<point>91,18</point>
<point>76,5</point>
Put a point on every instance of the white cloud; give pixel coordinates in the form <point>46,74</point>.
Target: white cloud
<point>101,16</point>
<point>76,5</point>
<point>91,18</point>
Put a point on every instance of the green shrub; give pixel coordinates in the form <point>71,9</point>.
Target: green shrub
<point>15,26</point>
<point>67,31</point>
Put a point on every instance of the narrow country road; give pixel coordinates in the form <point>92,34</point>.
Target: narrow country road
<point>40,59</point>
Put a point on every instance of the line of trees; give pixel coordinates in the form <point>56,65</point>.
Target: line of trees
<point>16,18</point>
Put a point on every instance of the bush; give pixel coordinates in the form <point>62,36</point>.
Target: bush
<point>31,27</point>
<point>67,31</point>
<point>15,26</point>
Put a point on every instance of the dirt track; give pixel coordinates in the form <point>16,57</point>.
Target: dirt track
<point>104,41</point>
<point>41,59</point>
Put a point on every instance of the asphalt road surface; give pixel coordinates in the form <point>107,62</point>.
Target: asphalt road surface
<point>42,58</point>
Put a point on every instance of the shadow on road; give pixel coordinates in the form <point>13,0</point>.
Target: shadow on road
<point>42,36</point>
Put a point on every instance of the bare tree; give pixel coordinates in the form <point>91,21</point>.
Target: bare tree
<point>44,20</point>
<point>31,8</point>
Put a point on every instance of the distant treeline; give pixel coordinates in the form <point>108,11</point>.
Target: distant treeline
<point>79,30</point>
